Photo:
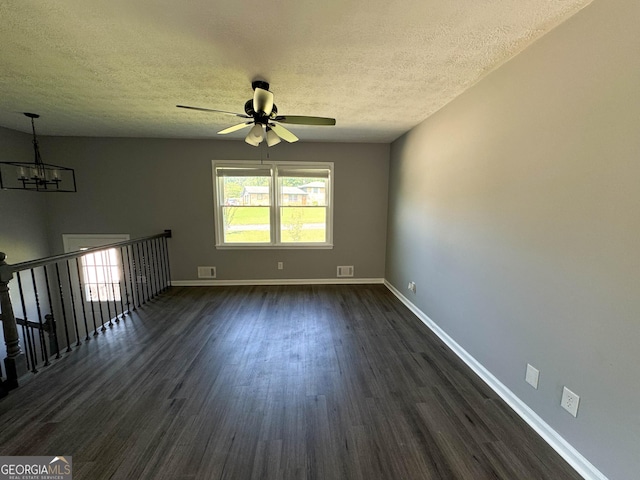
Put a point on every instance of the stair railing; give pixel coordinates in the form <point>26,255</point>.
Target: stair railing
<point>69,297</point>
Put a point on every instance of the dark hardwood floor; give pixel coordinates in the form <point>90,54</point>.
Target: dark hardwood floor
<point>295,382</point>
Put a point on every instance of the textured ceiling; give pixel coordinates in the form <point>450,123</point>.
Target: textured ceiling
<point>118,68</point>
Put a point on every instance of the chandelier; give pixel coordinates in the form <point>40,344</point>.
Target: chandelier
<point>36,176</point>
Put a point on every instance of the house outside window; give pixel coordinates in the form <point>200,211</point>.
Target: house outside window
<point>316,192</point>
<point>269,205</point>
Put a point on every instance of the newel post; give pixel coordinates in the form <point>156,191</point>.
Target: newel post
<point>15,363</point>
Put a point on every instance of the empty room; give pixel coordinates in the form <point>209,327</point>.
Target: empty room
<point>320,240</point>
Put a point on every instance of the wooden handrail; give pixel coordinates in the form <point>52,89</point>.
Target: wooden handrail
<point>18,267</point>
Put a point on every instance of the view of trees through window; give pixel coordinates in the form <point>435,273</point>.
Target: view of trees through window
<point>301,206</point>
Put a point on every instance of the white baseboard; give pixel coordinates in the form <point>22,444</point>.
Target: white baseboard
<point>278,281</point>
<point>559,444</point>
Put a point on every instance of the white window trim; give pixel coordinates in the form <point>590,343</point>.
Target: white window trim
<point>273,208</point>
<point>70,241</point>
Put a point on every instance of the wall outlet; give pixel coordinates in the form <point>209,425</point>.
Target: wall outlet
<point>412,286</point>
<point>570,401</point>
<point>206,272</point>
<point>345,271</point>
<point>532,376</point>
<point>280,265</point>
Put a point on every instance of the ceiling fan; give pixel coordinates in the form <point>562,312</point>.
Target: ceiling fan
<point>262,113</point>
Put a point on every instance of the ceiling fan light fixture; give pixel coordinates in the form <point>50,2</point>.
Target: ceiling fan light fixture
<point>272,137</point>
<point>255,135</point>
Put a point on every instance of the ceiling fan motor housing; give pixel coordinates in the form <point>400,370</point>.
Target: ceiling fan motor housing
<point>260,118</point>
<point>260,84</point>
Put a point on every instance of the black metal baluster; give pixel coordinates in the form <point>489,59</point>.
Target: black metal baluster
<point>124,278</point>
<point>87,277</point>
<point>163,280</point>
<point>106,290</point>
<point>26,346</point>
<point>93,310</point>
<point>147,283</point>
<point>140,276</point>
<point>97,287</point>
<point>82,302</point>
<point>113,288</point>
<point>135,275</point>
<point>156,244</point>
<point>102,328</point>
<point>139,289</point>
<point>167,262</point>
<point>149,268</point>
<point>64,313</point>
<point>53,326</point>
<point>159,265</point>
<point>130,272</point>
<point>26,331</point>
<point>43,343</point>
<point>142,270</point>
<point>154,271</point>
<point>115,303</point>
<point>119,289</point>
<point>147,245</point>
<point>73,306</point>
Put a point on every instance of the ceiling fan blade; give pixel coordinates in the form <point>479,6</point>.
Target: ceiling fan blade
<point>241,115</point>
<point>283,133</point>
<point>302,120</point>
<point>235,128</point>
<point>262,101</point>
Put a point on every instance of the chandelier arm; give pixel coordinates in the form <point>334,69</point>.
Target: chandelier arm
<point>36,148</point>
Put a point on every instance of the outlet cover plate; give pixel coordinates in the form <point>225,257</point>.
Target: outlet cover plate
<point>570,401</point>
<point>532,376</point>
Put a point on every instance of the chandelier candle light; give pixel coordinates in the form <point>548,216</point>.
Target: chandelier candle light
<point>36,176</point>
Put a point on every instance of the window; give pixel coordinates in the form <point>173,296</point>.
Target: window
<point>273,204</point>
<point>101,276</point>
<point>101,271</point>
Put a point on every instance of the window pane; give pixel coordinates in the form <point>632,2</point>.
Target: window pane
<point>303,191</point>
<point>303,212</point>
<point>303,224</point>
<point>245,209</point>
<point>246,190</point>
<point>246,224</point>
<point>101,271</point>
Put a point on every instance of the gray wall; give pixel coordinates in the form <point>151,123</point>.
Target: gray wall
<point>23,219</point>
<point>516,210</point>
<point>143,186</point>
